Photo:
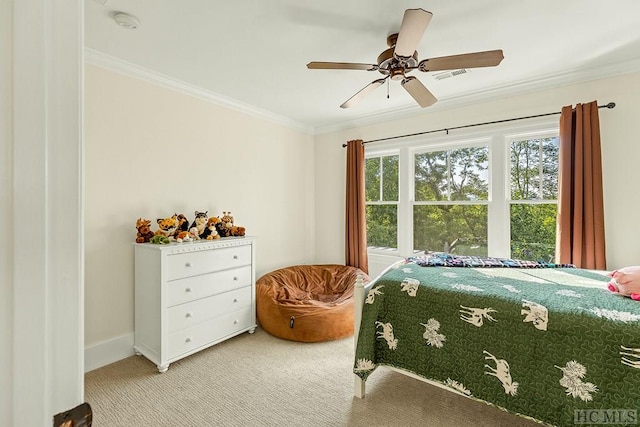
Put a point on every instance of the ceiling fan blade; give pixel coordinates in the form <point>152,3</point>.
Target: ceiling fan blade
<point>361,94</point>
<point>489,58</point>
<point>414,23</point>
<point>420,93</point>
<point>340,66</point>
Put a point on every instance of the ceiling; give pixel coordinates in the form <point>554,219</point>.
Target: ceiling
<point>253,54</point>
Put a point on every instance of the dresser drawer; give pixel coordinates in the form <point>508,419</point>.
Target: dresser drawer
<point>192,313</point>
<point>193,288</point>
<point>201,262</point>
<point>211,331</point>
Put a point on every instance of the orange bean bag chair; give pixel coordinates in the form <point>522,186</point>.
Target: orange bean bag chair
<point>308,303</point>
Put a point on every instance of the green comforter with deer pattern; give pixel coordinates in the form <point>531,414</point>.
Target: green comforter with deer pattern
<point>542,343</point>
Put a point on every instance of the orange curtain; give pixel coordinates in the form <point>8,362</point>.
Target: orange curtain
<point>355,244</point>
<point>580,232</point>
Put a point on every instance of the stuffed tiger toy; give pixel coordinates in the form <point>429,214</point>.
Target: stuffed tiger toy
<point>167,226</point>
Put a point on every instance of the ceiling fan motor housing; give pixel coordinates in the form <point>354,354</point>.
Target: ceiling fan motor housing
<point>389,64</point>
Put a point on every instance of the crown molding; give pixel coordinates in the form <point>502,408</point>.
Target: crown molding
<point>109,62</point>
<point>545,82</point>
<point>489,94</point>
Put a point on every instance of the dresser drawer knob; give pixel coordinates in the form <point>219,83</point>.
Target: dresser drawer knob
<point>187,264</point>
<point>187,315</point>
<point>235,257</point>
<point>235,278</point>
<point>235,300</point>
<point>187,290</point>
<point>188,340</point>
<point>235,322</point>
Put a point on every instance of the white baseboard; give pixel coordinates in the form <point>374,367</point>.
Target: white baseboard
<point>106,352</point>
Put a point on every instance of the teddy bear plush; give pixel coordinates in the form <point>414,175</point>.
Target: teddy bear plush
<point>144,231</point>
<point>626,282</point>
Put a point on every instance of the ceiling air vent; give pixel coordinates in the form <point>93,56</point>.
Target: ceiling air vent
<point>448,74</point>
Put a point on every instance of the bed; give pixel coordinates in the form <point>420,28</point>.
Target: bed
<point>546,342</point>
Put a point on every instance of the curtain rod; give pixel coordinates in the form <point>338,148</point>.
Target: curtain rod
<point>609,105</point>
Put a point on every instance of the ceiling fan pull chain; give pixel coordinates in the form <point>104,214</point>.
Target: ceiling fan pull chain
<point>387,88</point>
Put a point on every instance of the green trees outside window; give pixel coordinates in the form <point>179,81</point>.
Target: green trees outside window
<point>381,195</point>
<point>449,204</point>
<point>447,215</point>
<point>534,191</point>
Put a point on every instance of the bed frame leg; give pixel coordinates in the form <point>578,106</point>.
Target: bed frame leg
<point>358,387</point>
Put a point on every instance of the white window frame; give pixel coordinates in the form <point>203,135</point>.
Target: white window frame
<point>380,154</point>
<point>498,137</point>
<point>543,133</point>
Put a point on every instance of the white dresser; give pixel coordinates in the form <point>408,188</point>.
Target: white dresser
<point>190,296</point>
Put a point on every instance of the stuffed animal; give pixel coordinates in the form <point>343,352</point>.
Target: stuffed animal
<point>237,231</point>
<point>167,227</point>
<point>225,224</point>
<point>227,219</point>
<point>194,233</point>
<point>226,228</point>
<point>144,230</point>
<point>183,223</point>
<point>159,239</point>
<point>626,282</point>
<point>185,236</point>
<point>210,232</point>
<point>199,223</point>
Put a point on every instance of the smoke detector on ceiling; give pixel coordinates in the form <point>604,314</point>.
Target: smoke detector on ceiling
<point>126,21</point>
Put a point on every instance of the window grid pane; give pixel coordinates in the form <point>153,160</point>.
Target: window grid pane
<point>430,179</point>
<point>533,231</point>
<point>550,151</point>
<point>389,185</point>
<point>460,174</point>
<point>469,173</point>
<point>460,229</point>
<point>534,169</point>
<point>382,229</point>
<point>372,179</point>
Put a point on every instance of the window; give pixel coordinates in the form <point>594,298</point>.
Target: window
<point>381,195</point>
<point>534,190</point>
<point>451,194</point>
<point>488,194</point>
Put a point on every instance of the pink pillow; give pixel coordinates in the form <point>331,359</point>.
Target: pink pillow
<point>626,282</point>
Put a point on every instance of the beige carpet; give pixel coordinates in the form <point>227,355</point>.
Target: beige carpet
<point>260,380</point>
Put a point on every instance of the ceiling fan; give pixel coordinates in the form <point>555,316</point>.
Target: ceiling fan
<point>402,58</point>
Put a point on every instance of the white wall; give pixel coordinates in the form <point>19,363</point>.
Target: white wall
<point>620,151</point>
<point>6,213</point>
<point>152,152</point>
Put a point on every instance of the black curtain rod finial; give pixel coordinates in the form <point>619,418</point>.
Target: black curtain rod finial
<point>611,105</point>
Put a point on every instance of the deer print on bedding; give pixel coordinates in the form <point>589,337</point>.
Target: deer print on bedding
<point>501,372</point>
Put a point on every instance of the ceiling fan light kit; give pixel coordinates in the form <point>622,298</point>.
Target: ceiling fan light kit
<point>402,58</point>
